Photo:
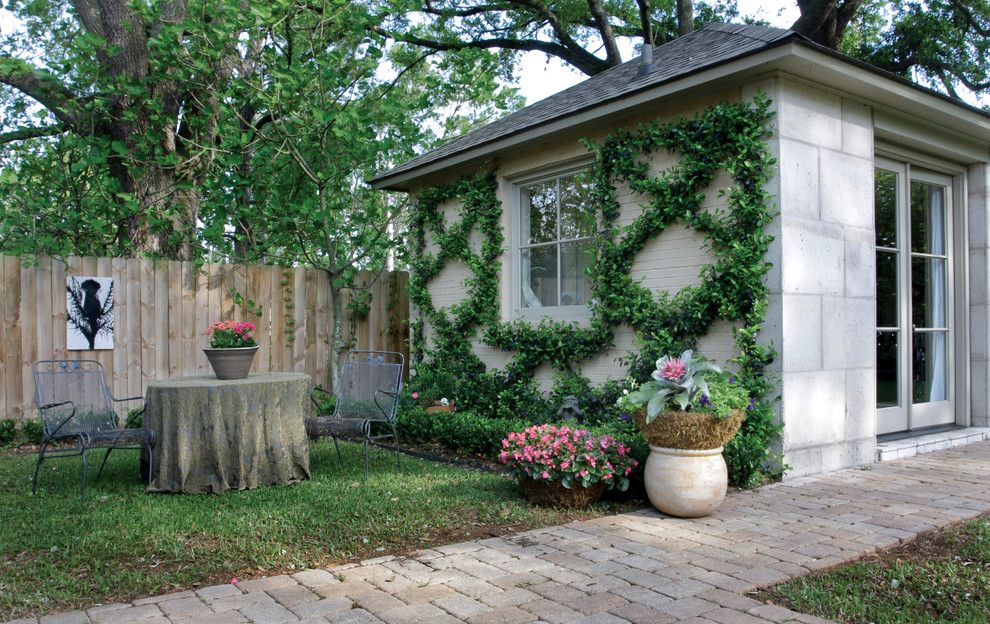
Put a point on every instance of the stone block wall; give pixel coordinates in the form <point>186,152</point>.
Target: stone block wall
<point>978,191</point>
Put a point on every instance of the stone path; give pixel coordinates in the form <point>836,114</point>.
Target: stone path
<point>639,567</point>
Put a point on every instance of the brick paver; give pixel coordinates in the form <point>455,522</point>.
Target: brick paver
<point>631,568</point>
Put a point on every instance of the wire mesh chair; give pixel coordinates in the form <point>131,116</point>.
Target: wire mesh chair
<point>76,404</point>
<point>367,393</point>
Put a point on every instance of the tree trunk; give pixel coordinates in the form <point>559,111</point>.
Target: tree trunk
<point>685,16</point>
<point>825,21</point>
<point>337,337</point>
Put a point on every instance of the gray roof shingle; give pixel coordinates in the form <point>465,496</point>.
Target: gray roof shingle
<point>704,48</point>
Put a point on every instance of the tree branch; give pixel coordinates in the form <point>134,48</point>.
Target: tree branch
<point>41,86</point>
<point>612,54</point>
<point>23,134</point>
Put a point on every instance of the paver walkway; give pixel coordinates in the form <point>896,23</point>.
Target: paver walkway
<point>637,567</point>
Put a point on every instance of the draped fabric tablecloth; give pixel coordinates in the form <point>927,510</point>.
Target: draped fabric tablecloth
<point>218,435</point>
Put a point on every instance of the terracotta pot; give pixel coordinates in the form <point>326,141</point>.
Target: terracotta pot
<point>686,483</point>
<point>554,494</point>
<point>441,408</point>
<point>232,363</point>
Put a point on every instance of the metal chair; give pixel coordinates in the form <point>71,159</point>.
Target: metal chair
<point>76,404</point>
<point>367,393</point>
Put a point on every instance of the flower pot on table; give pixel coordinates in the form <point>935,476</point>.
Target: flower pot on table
<point>232,363</point>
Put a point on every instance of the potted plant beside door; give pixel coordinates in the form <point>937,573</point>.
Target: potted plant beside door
<point>232,349</point>
<point>688,412</point>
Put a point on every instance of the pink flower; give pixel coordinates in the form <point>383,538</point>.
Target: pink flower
<point>673,370</point>
<point>415,395</point>
<point>546,475</point>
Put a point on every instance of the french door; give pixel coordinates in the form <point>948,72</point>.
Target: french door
<point>914,304</point>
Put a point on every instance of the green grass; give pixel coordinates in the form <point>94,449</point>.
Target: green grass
<point>57,552</point>
<point>941,578</point>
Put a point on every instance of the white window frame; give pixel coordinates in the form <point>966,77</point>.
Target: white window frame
<point>557,313</point>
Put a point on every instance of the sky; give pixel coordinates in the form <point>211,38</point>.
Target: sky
<point>540,78</point>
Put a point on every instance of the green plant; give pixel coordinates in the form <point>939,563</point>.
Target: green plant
<point>572,456</point>
<point>8,431</point>
<point>31,431</point>
<point>728,137</point>
<point>678,383</point>
<point>231,335</point>
<point>135,418</point>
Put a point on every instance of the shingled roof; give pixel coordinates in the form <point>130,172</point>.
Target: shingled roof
<point>704,48</point>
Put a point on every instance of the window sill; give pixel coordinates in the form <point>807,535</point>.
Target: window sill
<point>558,313</point>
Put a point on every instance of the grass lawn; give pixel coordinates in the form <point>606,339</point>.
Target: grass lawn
<point>941,577</point>
<point>58,553</point>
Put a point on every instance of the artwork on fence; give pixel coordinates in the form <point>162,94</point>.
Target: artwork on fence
<point>89,323</point>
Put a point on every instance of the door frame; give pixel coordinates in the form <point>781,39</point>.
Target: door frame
<point>923,168</point>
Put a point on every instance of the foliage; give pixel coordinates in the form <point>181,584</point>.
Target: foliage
<point>678,383</point>
<point>431,385</point>
<point>726,137</point>
<point>573,456</point>
<point>231,335</point>
<point>462,430</point>
<point>31,431</point>
<point>725,396</point>
<point>125,544</point>
<point>8,431</point>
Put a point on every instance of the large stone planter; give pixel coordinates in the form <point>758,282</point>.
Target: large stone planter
<point>234,363</point>
<point>686,483</point>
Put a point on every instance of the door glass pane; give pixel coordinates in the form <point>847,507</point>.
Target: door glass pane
<point>885,207</point>
<point>539,213</point>
<point>577,215</point>
<point>574,260</point>
<point>930,366</point>
<point>928,289</point>
<point>887,395</point>
<point>887,289</point>
<point>927,218</point>
<point>539,273</point>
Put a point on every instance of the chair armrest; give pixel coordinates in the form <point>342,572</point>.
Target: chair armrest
<point>133,398</point>
<point>72,415</point>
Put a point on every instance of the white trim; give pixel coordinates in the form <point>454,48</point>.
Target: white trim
<point>514,209</point>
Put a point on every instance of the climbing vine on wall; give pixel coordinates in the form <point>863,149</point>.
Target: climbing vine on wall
<point>729,137</point>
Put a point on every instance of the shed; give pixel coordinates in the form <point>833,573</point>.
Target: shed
<point>878,291</point>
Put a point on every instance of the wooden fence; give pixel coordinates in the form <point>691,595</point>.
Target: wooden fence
<point>162,310</point>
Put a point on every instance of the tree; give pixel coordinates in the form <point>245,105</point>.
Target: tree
<point>942,42</point>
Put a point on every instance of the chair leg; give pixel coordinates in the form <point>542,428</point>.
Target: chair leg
<point>395,436</point>
<point>367,472</point>
<point>37,468</point>
<point>84,475</point>
<point>105,458</point>
<point>151,465</point>
<point>336,445</point>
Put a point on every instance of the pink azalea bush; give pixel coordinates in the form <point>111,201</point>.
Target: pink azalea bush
<point>573,456</point>
<point>231,335</point>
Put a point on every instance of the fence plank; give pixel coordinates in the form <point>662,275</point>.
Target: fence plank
<point>161,310</point>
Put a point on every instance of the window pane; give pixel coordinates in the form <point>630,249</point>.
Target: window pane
<point>885,207</point>
<point>577,214</point>
<point>540,213</point>
<point>930,367</point>
<point>575,257</point>
<point>928,277</point>
<point>927,218</point>
<point>887,369</point>
<point>539,276</point>
<point>887,289</point>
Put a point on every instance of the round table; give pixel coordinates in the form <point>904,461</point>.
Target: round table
<point>215,435</point>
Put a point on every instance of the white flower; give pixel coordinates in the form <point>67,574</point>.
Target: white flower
<point>444,402</point>
<point>625,391</point>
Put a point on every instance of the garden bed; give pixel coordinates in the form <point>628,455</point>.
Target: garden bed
<point>57,553</point>
<point>938,578</point>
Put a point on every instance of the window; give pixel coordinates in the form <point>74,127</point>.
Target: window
<point>557,223</point>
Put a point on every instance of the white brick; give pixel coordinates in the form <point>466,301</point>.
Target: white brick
<point>813,258</point>
<point>811,115</point>
<point>814,408</point>
<point>861,404</point>
<point>802,333</point>
<point>846,189</point>
<point>848,330</point>
<point>799,179</point>
<point>857,129</point>
<point>861,262</point>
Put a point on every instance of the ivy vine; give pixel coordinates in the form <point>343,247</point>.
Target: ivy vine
<point>728,137</point>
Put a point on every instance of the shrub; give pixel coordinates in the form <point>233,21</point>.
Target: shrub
<point>457,430</point>
<point>230,335</point>
<point>8,430</point>
<point>551,453</point>
<point>32,432</point>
